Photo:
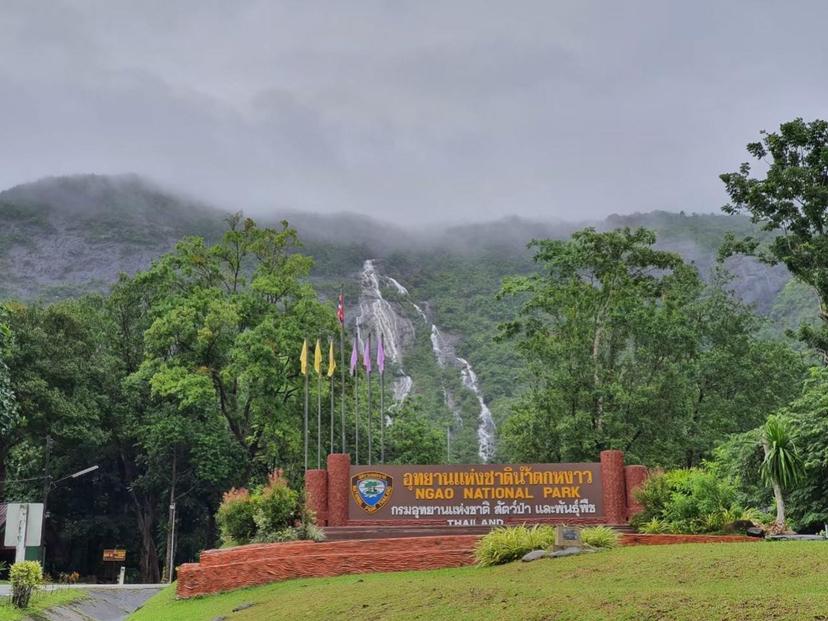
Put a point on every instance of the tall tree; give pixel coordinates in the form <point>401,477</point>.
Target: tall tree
<point>225,334</point>
<point>782,466</point>
<point>8,403</point>
<point>791,203</point>
<point>627,349</point>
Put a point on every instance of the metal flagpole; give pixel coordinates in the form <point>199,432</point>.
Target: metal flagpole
<point>355,365</point>
<point>332,399</point>
<point>319,421</point>
<point>342,362</point>
<point>382,401</point>
<point>306,420</point>
<point>370,415</point>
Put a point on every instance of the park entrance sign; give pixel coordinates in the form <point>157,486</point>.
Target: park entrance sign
<point>475,495</point>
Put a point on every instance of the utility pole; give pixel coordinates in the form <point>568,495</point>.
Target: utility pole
<point>170,560</point>
<point>47,486</point>
<point>448,444</point>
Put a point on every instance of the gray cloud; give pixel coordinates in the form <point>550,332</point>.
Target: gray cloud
<point>407,110</point>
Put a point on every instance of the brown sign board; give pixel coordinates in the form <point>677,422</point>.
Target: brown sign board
<point>475,494</point>
<point>114,556</point>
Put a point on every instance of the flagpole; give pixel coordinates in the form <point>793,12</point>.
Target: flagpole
<point>306,421</point>
<point>356,412</point>
<point>370,416</point>
<point>342,362</point>
<point>382,403</point>
<point>332,401</point>
<point>318,410</point>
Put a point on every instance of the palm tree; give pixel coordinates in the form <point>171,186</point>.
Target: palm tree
<point>782,466</point>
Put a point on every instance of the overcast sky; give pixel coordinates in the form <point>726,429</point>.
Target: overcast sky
<point>408,111</point>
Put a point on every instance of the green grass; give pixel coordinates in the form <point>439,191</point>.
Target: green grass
<point>748,581</point>
<point>40,601</point>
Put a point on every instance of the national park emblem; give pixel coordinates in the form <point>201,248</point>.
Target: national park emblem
<point>372,490</point>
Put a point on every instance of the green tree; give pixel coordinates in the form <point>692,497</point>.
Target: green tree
<point>8,402</point>
<point>225,335</point>
<point>782,466</point>
<point>790,202</point>
<point>628,349</point>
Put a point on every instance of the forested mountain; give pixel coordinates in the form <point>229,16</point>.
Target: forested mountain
<point>431,291</point>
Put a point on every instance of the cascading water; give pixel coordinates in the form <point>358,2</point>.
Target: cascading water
<point>377,316</point>
<point>486,428</point>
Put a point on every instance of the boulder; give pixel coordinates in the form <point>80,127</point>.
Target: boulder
<point>534,555</point>
<point>567,552</point>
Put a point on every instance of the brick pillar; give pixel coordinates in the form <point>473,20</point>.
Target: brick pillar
<point>634,477</point>
<point>316,494</point>
<point>614,487</point>
<point>339,483</point>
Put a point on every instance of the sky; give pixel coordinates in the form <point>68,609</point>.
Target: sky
<point>410,111</point>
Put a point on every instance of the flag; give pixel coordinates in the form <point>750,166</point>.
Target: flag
<point>381,357</point>
<point>317,358</point>
<point>331,361</point>
<point>354,358</point>
<point>303,358</point>
<point>366,355</point>
<point>340,309</point>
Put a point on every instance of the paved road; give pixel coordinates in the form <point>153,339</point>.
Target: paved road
<point>105,602</point>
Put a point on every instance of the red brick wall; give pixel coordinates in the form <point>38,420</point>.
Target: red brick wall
<point>614,486</point>
<point>316,493</point>
<point>634,477</point>
<point>339,484</point>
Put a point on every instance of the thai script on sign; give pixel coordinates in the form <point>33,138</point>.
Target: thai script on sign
<point>462,494</point>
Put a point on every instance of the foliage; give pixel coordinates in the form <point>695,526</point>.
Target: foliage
<point>791,202</point>
<point>25,578</point>
<point>275,508</point>
<point>628,349</point>
<point>599,536</point>
<point>693,500</point>
<point>235,517</point>
<point>510,543</point>
<point>269,514</point>
<point>782,464</point>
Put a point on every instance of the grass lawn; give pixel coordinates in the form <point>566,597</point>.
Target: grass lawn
<point>783,580</point>
<point>40,601</point>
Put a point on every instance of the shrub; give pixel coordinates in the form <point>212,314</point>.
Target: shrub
<point>235,518</point>
<point>599,537</point>
<point>694,500</point>
<point>25,578</point>
<point>275,507</point>
<point>506,544</point>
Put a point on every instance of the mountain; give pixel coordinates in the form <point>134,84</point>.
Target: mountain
<point>431,290</point>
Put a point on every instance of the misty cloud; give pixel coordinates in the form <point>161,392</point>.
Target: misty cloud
<point>407,110</point>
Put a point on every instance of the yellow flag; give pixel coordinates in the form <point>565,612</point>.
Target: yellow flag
<point>317,358</point>
<point>303,358</point>
<point>331,361</point>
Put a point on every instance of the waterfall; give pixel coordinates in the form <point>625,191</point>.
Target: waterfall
<point>377,316</point>
<point>486,428</point>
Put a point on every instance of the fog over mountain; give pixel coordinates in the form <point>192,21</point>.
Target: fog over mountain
<point>408,112</point>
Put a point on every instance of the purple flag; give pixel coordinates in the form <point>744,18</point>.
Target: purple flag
<point>354,358</point>
<point>366,355</point>
<point>381,357</point>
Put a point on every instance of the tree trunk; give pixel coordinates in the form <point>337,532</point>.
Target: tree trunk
<point>148,562</point>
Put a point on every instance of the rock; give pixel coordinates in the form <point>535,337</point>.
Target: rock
<point>566,552</point>
<point>534,555</point>
<point>755,531</point>
<point>740,526</point>
<point>244,606</point>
